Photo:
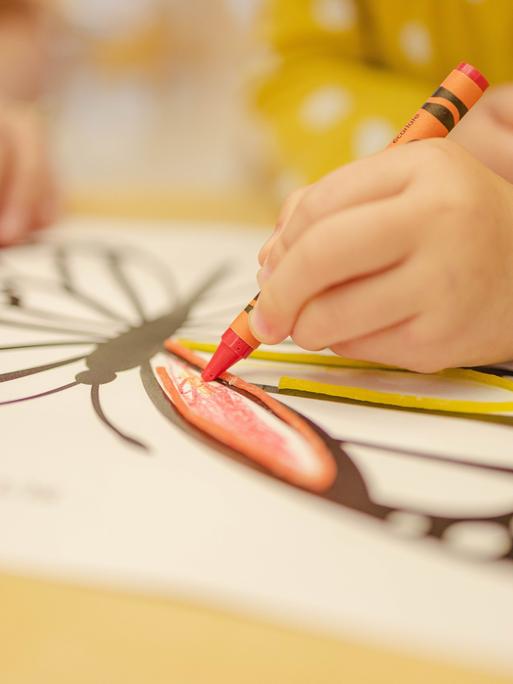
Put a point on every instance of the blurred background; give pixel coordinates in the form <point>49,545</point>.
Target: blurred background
<point>218,108</point>
<point>145,102</point>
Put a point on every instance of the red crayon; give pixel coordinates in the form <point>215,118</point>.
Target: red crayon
<point>237,343</point>
<point>435,119</point>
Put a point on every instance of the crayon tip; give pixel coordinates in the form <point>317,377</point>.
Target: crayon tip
<point>223,358</point>
<point>474,74</point>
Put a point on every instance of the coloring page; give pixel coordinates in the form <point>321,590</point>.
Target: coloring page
<point>355,518</point>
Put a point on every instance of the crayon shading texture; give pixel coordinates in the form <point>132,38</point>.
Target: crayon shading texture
<point>246,419</point>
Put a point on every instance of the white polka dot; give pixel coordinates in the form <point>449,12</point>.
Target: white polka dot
<point>482,539</point>
<point>372,135</point>
<point>409,525</point>
<point>334,15</point>
<point>416,42</point>
<point>324,107</point>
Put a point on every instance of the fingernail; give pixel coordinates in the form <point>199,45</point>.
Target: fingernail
<point>258,325</point>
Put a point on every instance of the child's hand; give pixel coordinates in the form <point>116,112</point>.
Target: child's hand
<point>487,130</point>
<point>27,191</point>
<point>403,258</point>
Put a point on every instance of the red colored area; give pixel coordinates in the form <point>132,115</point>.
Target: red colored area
<point>227,409</point>
<point>219,411</point>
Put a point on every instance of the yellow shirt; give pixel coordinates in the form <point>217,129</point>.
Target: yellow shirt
<point>347,74</point>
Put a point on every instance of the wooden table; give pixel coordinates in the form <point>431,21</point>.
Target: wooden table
<point>53,633</point>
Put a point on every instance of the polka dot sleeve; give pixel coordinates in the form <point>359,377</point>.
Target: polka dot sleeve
<point>322,112</point>
<point>346,74</point>
<point>329,26</point>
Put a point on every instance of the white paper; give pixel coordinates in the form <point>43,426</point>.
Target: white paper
<point>180,517</point>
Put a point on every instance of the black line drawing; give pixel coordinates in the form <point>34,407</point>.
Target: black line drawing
<point>350,490</point>
<point>124,345</point>
<point>132,347</point>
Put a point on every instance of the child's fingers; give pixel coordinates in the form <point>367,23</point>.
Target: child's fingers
<point>5,163</point>
<point>358,242</point>
<point>367,180</point>
<point>286,212</point>
<point>359,308</point>
<point>399,345</point>
<point>25,174</point>
<point>48,206</point>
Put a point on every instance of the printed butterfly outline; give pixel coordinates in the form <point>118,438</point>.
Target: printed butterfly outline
<point>135,346</point>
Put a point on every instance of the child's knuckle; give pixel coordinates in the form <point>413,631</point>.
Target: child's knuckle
<point>285,241</point>
<point>277,253</point>
<point>271,302</point>
<point>303,337</point>
<point>310,254</point>
<point>312,204</point>
<point>309,327</point>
